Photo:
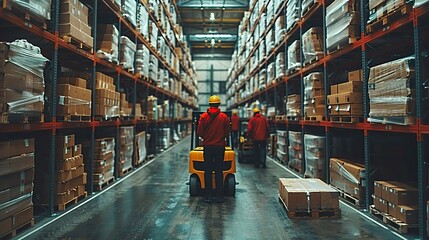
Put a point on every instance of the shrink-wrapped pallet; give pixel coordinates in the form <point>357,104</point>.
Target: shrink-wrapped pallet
<point>314,156</point>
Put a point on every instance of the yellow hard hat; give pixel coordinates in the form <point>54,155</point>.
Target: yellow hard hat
<point>255,110</point>
<point>214,100</point>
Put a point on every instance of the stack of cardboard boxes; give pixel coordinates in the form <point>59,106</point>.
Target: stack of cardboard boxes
<point>126,149</point>
<point>74,22</point>
<point>282,146</point>
<point>391,92</point>
<point>396,199</point>
<point>16,184</point>
<point>71,174</point>
<point>380,8</point>
<point>103,162</point>
<point>308,195</point>
<point>272,145</point>
<point>108,42</point>
<point>312,45</point>
<point>293,107</point>
<point>314,96</point>
<point>295,151</point>
<point>294,57</point>
<point>74,99</point>
<point>21,78</point>
<point>345,99</point>
<point>314,156</point>
<point>140,146</point>
<point>106,98</point>
<point>342,23</point>
<point>125,108</point>
<point>348,177</point>
<point>40,9</point>
<point>152,110</point>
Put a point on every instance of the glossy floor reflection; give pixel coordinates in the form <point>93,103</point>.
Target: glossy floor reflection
<point>154,203</point>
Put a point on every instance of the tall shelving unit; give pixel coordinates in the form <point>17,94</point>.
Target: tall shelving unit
<point>390,151</point>
<point>137,88</point>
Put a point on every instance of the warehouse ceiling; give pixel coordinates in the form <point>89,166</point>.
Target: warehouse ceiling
<point>211,26</point>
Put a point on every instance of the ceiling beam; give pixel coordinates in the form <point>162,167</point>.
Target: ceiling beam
<point>213,4</point>
<point>216,21</point>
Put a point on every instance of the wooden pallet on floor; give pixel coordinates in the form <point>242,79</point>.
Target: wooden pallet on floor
<point>400,120</point>
<point>347,119</point>
<point>312,213</point>
<point>349,198</point>
<point>19,229</point>
<point>396,224</point>
<point>385,21</point>
<point>63,206</point>
<point>77,43</point>
<point>22,13</point>
<point>73,118</point>
<point>99,187</point>
<point>317,118</point>
<point>22,118</point>
<point>125,171</point>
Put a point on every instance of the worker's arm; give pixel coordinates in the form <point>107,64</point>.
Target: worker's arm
<point>201,127</point>
<point>249,128</point>
<point>227,127</point>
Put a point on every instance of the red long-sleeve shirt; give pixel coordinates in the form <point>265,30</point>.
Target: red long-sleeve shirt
<point>258,129</point>
<point>235,122</point>
<point>213,127</point>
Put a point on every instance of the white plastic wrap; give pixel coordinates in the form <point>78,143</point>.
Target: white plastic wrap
<point>129,11</point>
<point>305,5</point>
<point>314,156</point>
<point>128,51</point>
<point>312,44</point>
<point>345,29</point>
<point>280,65</point>
<point>141,147</point>
<point>292,14</point>
<point>142,60</point>
<point>271,72</point>
<point>269,41</point>
<point>280,30</point>
<point>39,8</point>
<point>390,89</point>
<point>295,150</point>
<point>294,56</point>
<point>104,156</point>
<point>419,3</point>
<point>338,10</point>
<point>293,106</point>
<point>126,148</point>
<point>108,43</point>
<point>262,78</point>
<point>143,20</point>
<point>153,67</point>
<point>22,86</point>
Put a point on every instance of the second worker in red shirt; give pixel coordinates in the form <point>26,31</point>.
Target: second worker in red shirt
<point>258,131</point>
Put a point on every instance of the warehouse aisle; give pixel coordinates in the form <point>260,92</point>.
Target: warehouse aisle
<point>153,203</point>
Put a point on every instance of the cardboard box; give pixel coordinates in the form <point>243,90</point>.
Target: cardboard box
<point>343,98</point>
<point>355,75</point>
<point>408,214</point>
<point>16,147</point>
<point>355,86</point>
<point>14,179</point>
<point>77,150</point>
<point>378,186</point>
<point>16,164</point>
<point>15,192</point>
<point>70,30</point>
<point>334,89</point>
<point>381,205</point>
<point>66,186</point>
<point>78,82</point>
<point>403,195</point>
<point>22,217</point>
<point>5,226</point>
<point>65,90</point>
<point>70,18</point>
<point>347,109</point>
<point>66,141</point>
<point>393,209</point>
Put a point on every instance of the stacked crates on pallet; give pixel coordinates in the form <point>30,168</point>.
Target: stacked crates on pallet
<point>295,151</point>
<point>345,100</point>
<point>312,45</point>
<point>103,162</point>
<point>314,156</point>
<point>396,200</point>
<point>282,146</point>
<point>16,184</point>
<point>74,23</point>
<point>140,146</point>
<point>349,178</point>
<point>391,92</point>
<point>293,107</point>
<point>294,57</point>
<point>314,97</point>
<point>106,97</point>
<point>108,42</point>
<point>342,23</point>
<point>126,149</point>
<point>127,53</point>
<point>21,81</point>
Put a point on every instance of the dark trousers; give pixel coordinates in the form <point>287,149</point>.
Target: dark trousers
<point>260,148</point>
<point>213,161</point>
<point>235,139</point>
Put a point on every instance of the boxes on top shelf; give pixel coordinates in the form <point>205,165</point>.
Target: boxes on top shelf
<point>127,53</point>
<point>129,11</point>
<point>108,42</point>
<point>292,14</point>
<point>40,9</point>
<point>74,22</point>
<point>312,45</point>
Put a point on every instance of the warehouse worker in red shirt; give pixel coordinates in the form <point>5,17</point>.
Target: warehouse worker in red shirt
<point>213,128</point>
<point>258,131</point>
<point>235,127</point>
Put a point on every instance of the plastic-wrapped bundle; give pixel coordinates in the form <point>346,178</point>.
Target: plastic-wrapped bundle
<point>153,31</point>
<point>391,90</point>
<point>314,156</point>
<point>292,14</point>
<point>271,72</point>
<point>153,7</point>
<point>293,106</point>
<point>280,30</point>
<point>269,40</point>
<point>295,150</point>
<point>277,5</point>
<point>314,104</point>
<point>128,51</point>
<point>126,148</point>
<point>263,78</point>
<point>294,56</point>
<point>129,11</point>
<point>342,23</point>
<point>103,163</point>
<point>262,53</point>
<point>419,3</point>
<point>305,5</point>
<point>280,65</point>
<point>312,45</point>
<point>141,151</point>
<point>21,68</point>
<point>108,43</point>
<point>40,8</point>
<point>153,67</point>
<point>143,20</point>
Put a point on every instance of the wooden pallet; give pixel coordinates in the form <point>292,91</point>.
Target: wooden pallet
<point>77,43</point>
<point>17,230</point>
<point>22,118</point>
<point>312,213</point>
<point>106,118</point>
<point>311,61</point>
<point>349,198</point>
<point>341,44</point>
<point>292,70</point>
<point>99,187</point>
<point>394,223</point>
<point>126,171</point>
<point>293,118</point>
<point>280,117</point>
<point>347,119</point>
<point>63,206</point>
<point>29,18</point>
<point>73,118</point>
<point>316,118</point>
<point>142,118</point>
<point>385,21</point>
<point>400,120</point>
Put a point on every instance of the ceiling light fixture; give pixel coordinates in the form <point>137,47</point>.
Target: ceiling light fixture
<point>212,17</point>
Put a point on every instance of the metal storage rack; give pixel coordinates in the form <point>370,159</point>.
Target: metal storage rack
<point>408,33</point>
<point>61,53</point>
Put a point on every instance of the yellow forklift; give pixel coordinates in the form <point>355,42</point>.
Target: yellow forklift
<point>246,153</point>
<point>196,163</point>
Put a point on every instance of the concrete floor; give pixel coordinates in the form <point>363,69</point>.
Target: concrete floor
<point>154,203</point>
